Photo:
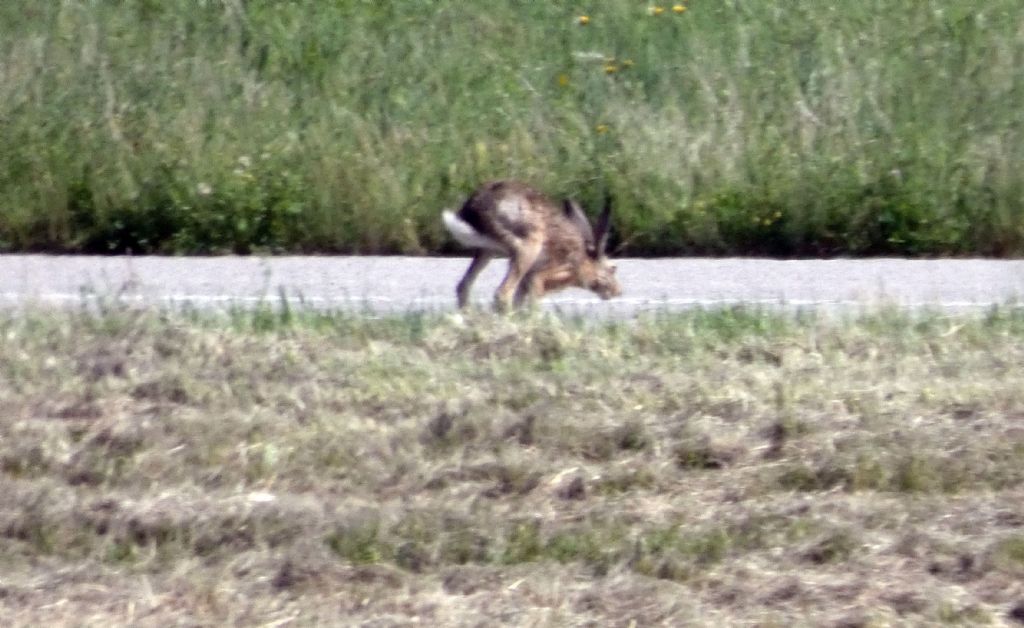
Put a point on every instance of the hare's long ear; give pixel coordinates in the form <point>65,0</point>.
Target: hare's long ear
<point>603,225</point>
<point>575,214</point>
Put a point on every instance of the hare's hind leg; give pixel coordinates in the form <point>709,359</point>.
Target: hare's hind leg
<point>480,260</point>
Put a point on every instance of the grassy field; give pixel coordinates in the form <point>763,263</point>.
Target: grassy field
<point>730,127</point>
<point>712,467</point>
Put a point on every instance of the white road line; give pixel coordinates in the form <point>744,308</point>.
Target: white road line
<point>272,299</point>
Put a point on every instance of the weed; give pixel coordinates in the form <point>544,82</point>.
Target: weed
<point>523,543</point>
<point>700,453</point>
<point>837,546</point>
<point>359,543</point>
<point>1008,554</point>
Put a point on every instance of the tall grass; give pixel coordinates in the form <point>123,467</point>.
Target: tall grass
<point>733,127</point>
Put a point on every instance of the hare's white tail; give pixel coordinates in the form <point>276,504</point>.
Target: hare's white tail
<point>467,235</point>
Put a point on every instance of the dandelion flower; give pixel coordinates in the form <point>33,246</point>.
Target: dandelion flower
<point>563,80</point>
<point>656,10</point>
<point>679,8</point>
<point>610,68</point>
<point>601,128</point>
<point>583,20</point>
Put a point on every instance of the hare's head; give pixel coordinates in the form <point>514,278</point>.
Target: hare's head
<point>596,272</point>
<point>598,276</point>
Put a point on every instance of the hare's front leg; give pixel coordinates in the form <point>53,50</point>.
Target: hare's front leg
<point>530,289</point>
<point>521,261</point>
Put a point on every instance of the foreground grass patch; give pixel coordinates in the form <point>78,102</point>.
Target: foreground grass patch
<point>739,454</point>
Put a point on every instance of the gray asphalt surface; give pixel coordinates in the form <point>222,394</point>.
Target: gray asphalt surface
<point>390,284</point>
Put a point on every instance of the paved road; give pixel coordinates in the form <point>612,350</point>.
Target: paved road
<point>387,284</point>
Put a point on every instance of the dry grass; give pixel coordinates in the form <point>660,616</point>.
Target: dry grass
<point>721,467</point>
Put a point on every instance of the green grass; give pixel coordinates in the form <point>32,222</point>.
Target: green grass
<point>251,466</point>
<point>736,127</point>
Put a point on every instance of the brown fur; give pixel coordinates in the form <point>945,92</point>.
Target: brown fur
<point>550,245</point>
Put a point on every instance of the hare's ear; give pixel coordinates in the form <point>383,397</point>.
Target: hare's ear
<point>575,214</point>
<point>603,224</point>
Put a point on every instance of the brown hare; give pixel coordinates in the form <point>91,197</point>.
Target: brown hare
<point>550,245</point>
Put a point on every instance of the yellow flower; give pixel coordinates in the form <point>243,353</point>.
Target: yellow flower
<point>583,20</point>
<point>656,10</point>
<point>627,63</point>
<point>563,80</point>
<point>610,68</point>
<point>601,128</point>
<point>679,8</point>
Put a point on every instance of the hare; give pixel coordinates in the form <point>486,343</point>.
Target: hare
<point>550,245</point>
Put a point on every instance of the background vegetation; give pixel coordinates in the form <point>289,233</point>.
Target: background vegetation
<point>718,126</point>
<point>282,466</point>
